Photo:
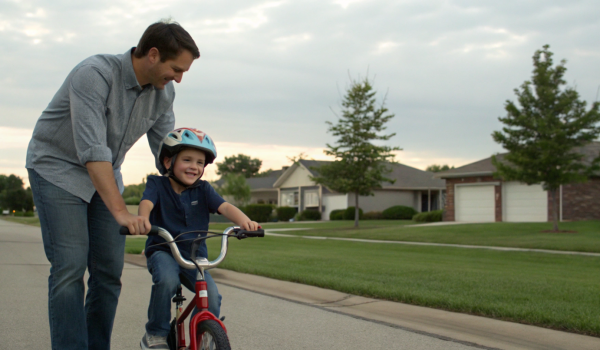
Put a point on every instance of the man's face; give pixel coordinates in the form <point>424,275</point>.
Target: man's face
<point>161,73</point>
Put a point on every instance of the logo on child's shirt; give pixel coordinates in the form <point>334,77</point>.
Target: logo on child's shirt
<point>195,203</point>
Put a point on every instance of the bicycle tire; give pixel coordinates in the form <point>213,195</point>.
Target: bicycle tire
<point>172,337</point>
<point>211,336</point>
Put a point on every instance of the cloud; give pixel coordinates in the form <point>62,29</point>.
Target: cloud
<point>271,72</point>
<point>14,138</point>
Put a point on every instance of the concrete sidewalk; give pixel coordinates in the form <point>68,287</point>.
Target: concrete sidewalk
<point>471,330</point>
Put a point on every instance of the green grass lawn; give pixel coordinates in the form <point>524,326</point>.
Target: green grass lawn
<point>547,290</point>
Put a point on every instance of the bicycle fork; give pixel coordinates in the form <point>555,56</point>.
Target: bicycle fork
<point>200,301</point>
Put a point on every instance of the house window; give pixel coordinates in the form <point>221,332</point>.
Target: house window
<point>311,199</point>
<point>289,199</point>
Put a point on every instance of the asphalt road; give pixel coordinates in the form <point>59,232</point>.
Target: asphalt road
<point>254,320</point>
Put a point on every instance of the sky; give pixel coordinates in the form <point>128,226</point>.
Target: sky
<point>272,73</point>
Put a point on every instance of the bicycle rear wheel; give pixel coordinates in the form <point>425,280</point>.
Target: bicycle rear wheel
<point>211,336</point>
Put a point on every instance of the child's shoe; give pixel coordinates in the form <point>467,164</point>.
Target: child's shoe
<point>154,342</point>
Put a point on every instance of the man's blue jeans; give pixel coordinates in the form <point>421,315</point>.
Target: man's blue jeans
<point>166,274</point>
<point>79,235</point>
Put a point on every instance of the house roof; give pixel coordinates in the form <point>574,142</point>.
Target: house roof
<point>485,167</point>
<point>263,183</point>
<point>406,177</point>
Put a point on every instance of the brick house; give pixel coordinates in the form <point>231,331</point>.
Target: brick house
<point>473,194</point>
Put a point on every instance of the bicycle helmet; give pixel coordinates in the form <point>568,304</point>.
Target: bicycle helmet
<point>185,137</point>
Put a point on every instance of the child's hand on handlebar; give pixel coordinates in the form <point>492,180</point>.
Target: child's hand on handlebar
<point>250,225</point>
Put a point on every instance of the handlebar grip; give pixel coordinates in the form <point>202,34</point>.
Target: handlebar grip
<point>258,233</point>
<point>125,231</point>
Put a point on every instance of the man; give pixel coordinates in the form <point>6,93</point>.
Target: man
<point>74,159</point>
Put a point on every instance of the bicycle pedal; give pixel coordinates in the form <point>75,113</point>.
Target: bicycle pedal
<point>222,318</point>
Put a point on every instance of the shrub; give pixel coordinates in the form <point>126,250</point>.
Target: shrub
<point>19,213</point>
<point>337,214</point>
<point>350,212</point>
<point>373,215</point>
<point>432,216</point>
<point>399,212</point>
<point>133,200</point>
<point>285,213</point>
<point>258,212</point>
<point>310,215</point>
<point>29,213</point>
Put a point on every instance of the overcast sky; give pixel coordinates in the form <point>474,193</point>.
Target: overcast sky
<point>271,73</point>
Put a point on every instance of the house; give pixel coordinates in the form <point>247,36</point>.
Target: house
<point>473,194</point>
<point>262,190</point>
<point>413,187</point>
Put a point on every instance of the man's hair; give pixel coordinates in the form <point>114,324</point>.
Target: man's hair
<point>169,38</point>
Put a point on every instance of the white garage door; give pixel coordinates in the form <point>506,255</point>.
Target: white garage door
<point>523,203</point>
<point>475,203</point>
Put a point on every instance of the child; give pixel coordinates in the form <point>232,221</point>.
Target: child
<point>180,202</point>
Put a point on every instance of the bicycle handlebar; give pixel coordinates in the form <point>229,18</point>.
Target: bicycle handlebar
<point>200,262</point>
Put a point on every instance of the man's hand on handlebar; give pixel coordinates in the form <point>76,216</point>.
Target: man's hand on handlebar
<point>137,225</point>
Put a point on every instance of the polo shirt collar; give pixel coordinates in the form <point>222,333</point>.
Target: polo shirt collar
<point>129,78</point>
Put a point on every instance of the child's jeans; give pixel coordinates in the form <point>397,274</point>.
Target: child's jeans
<point>165,276</point>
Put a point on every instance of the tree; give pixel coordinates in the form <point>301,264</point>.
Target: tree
<point>435,168</point>
<point>12,194</point>
<point>296,159</point>
<point>137,190</point>
<point>236,186</point>
<point>359,166</point>
<point>544,135</point>
<point>239,164</point>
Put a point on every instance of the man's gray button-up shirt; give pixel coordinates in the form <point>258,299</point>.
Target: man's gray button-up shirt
<point>98,113</point>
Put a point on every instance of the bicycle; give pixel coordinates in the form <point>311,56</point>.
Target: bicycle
<point>210,332</point>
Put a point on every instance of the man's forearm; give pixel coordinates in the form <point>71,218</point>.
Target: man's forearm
<point>104,181</point>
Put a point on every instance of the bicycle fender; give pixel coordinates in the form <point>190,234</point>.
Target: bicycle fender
<point>195,321</point>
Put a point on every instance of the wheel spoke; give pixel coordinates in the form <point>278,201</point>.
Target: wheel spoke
<point>207,342</point>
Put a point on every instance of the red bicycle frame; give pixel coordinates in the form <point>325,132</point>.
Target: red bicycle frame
<point>199,301</point>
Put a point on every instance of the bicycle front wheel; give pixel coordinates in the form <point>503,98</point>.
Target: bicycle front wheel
<point>211,336</point>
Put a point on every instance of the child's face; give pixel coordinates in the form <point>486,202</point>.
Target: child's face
<point>189,165</point>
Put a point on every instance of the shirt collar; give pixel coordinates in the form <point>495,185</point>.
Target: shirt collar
<point>129,78</point>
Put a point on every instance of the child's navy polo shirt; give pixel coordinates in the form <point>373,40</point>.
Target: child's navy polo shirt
<point>179,213</point>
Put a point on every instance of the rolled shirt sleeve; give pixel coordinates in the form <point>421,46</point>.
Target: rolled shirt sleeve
<point>88,93</point>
